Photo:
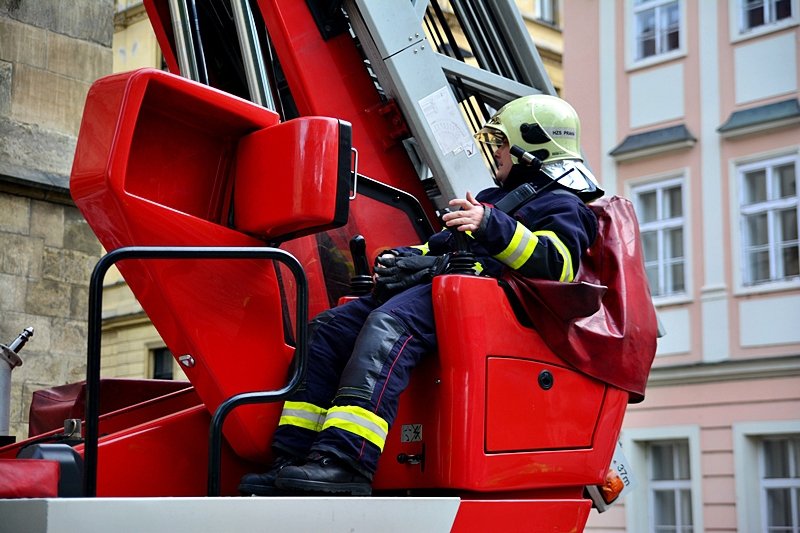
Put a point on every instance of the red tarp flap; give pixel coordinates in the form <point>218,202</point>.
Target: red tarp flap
<point>50,407</point>
<point>606,325</point>
<point>28,478</point>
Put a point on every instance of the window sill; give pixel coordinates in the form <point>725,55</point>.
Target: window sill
<point>661,302</point>
<point>764,29</point>
<point>638,64</point>
<point>767,287</point>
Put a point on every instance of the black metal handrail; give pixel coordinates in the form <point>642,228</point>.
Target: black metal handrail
<point>94,340</point>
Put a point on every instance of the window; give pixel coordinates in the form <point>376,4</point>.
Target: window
<point>769,221</point>
<point>161,363</point>
<point>766,457</point>
<point>780,483</point>
<point>547,10</point>
<point>665,463</point>
<point>659,207</point>
<point>670,487</point>
<point>757,13</point>
<point>544,10</point>
<point>657,26</point>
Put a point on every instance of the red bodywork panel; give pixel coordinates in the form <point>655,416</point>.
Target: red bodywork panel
<point>175,190</point>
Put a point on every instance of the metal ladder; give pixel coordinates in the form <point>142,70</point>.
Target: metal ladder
<point>445,87</point>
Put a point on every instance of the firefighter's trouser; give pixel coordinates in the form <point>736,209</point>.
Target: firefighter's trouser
<point>360,357</point>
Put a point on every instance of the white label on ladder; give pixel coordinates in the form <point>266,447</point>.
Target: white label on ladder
<point>447,124</point>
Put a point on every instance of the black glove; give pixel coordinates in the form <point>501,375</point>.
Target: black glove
<point>396,274</point>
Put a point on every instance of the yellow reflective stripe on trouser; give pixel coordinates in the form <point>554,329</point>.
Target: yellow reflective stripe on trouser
<point>520,249</point>
<point>302,414</point>
<point>567,273</point>
<point>359,421</point>
<point>422,248</point>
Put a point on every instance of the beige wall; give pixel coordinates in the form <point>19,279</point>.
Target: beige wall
<point>49,55</point>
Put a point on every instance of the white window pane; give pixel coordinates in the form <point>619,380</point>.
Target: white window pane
<point>673,203</point>
<point>664,508</point>
<point>754,13</point>
<point>648,208</point>
<point>671,26</point>
<point>755,183</point>
<point>758,264</point>
<point>787,222</point>
<point>790,258</point>
<point>652,279</point>
<point>646,34</point>
<point>757,230</point>
<point>783,9</point>
<point>662,460</point>
<point>650,245</point>
<point>674,243</point>
<point>686,510</point>
<point>676,281</point>
<point>776,458</point>
<point>779,509</point>
<point>797,506</point>
<point>682,461</point>
<point>787,181</point>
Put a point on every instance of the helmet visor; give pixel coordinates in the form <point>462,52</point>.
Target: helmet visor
<point>490,136</point>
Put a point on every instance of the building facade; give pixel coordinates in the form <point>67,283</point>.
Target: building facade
<point>49,56</point>
<point>690,109</point>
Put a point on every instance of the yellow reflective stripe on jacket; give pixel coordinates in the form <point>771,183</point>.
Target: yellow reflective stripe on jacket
<point>422,247</point>
<point>302,414</point>
<point>359,421</point>
<point>520,249</point>
<point>567,273</point>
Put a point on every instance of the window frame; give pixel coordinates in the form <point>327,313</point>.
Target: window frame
<point>673,485</point>
<point>750,508</point>
<point>154,354</point>
<point>736,23</point>
<point>631,22</point>
<point>768,483</point>
<point>738,169</point>
<point>647,183</point>
<point>635,441</point>
<point>551,8</point>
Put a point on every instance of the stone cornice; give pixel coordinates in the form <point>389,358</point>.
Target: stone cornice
<point>731,370</point>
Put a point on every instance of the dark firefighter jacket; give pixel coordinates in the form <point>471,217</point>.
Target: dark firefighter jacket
<point>543,239</point>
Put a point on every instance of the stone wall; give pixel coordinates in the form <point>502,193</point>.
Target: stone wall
<point>50,53</point>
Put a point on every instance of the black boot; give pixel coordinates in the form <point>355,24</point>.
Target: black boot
<point>264,484</point>
<point>322,473</point>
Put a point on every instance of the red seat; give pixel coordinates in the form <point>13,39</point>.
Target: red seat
<point>497,410</point>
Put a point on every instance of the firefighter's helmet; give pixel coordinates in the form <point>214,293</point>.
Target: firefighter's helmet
<point>549,128</point>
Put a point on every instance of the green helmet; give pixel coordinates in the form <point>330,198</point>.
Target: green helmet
<point>548,128</point>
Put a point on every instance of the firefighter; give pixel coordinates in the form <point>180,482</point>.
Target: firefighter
<point>332,431</point>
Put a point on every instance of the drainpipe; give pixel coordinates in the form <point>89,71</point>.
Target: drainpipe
<point>9,360</point>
